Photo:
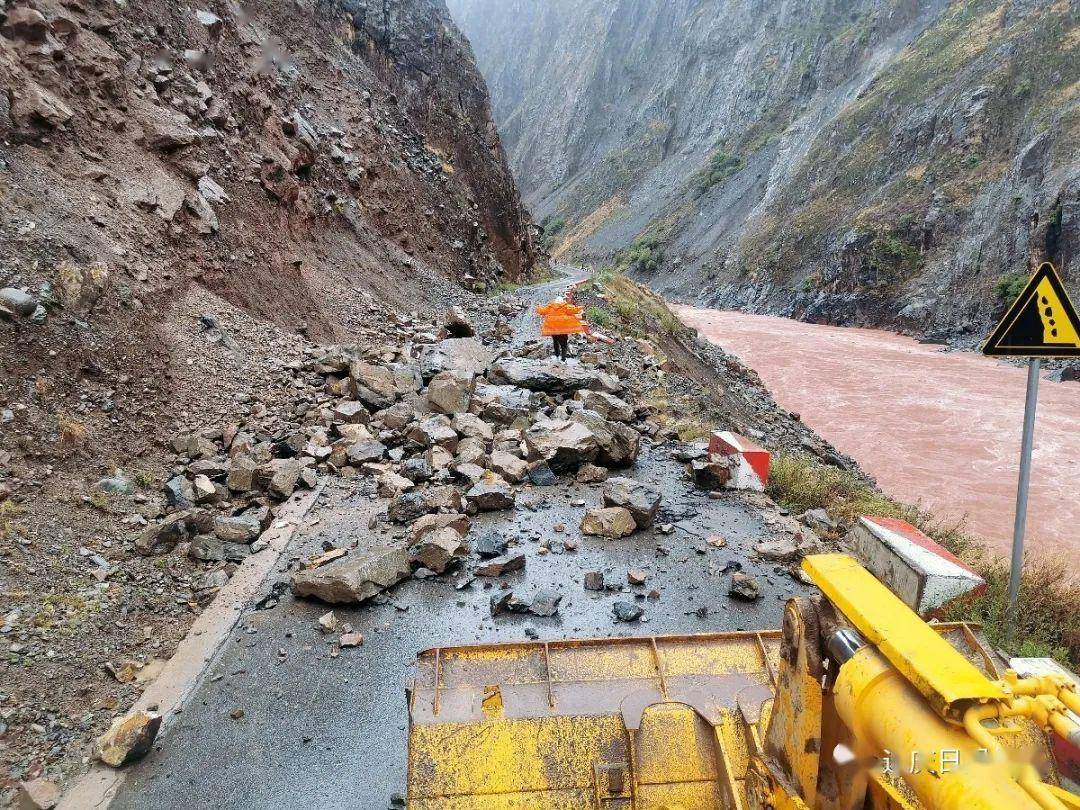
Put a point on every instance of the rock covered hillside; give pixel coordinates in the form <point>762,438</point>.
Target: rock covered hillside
<point>851,161</point>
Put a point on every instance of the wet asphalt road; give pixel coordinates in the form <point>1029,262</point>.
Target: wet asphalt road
<point>319,731</point>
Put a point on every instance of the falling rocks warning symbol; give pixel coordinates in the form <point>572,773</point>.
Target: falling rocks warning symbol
<point>1042,322</point>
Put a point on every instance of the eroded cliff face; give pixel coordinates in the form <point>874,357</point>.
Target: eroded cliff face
<point>884,162</point>
<point>263,152</point>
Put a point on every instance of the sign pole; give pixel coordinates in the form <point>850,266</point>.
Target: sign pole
<point>1034,366</point>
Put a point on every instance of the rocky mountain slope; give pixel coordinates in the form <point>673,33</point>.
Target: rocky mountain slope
<point>880,162</point>
<point>190,198</point>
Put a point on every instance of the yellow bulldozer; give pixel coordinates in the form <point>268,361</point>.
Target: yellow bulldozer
<point>855,703</point>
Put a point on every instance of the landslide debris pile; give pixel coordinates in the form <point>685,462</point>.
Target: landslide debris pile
<point>854,162</point>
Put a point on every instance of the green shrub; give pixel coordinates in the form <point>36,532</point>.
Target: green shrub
<point>720,167</point>
<point>1009,286</point>
<point>597,316</point>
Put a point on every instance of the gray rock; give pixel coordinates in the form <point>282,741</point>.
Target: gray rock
<point>355,578</point>
<point>284,477</point>
<point>351,412</point>
<point>449,392</point>
<point>607,405</point>
<point>17,302</point>
<point>509,466</point>
<point>435,430</point>
<point>502,404</point>
<point>744,587</point>
<point>364,452</point>
<point>241,474</point>
<point>641,499</point>
<point>545,603</point>
<point>490,494</point>
<point>164,537</point>
<point>505,564</point>
<point>466,355</point>
<point>242,529</point>
<point>438,550</point>
<point>179,492</point>
<point>627,611</point>
<point>429,523</point>
<point>563,444</point>
<point>617,445</point>
<point>594,580</point>
<point>542,375</point>
<point>375,386</point>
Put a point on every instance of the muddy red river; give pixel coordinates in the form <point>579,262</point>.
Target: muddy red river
<point>938,428</point>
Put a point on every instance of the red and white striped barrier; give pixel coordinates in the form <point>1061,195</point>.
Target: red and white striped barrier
<point>922,573</point>
<point>750,469</point>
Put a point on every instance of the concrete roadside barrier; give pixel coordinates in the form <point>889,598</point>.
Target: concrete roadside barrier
<point>918,570</point>
<point>750,462</point>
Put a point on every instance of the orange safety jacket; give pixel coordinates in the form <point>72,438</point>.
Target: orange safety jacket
<point>561,318</point>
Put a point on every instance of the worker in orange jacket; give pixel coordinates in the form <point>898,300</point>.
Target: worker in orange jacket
<point>561,319</point>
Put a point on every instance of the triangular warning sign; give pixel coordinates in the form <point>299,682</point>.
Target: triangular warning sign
<point>1042,322</point>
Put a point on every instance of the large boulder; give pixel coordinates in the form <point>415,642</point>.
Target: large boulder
<point>411,505</point>
<point>562,443</point>
<point>640,499</point>
<point>509,466</point>
<point>435,431</point>
<point>429,523</point>
<point>490,494</point>
<point>359,576</point>
<point>466,355</point>
<point>449,392</point>
<point>438,550</point>
<point>607,405</point>
<point>542,375</point>
<point>612,521</point>
<point>618,445</point>
<point>502,404</point>
<point>373,385</point>
<point>128,738</point>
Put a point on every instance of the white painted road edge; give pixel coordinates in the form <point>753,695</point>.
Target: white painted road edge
<point>96,789</point>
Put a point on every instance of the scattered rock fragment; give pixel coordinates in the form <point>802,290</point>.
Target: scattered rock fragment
<point>360,576</point>
<point>744,587</point>
<point>328,623</point>
<point>627,611</point>
<point>612,522</point>
<point>594,580</point>
<point>128,738</point>
<point>505,564</point>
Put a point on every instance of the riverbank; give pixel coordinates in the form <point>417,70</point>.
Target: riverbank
<point>940,429</point>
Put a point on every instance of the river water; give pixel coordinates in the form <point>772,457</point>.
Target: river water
<point>937,428</point>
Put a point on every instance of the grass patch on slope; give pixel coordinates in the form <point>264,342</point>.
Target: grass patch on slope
<point>1048,615</point>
